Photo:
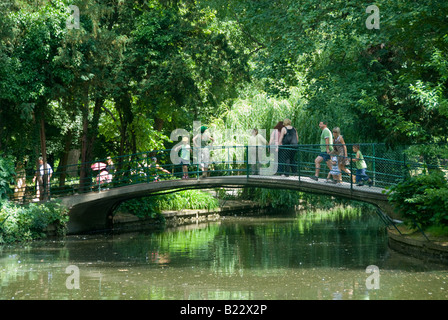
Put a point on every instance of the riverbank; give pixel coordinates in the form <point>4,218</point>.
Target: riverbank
<point>124,221</point>
<point>425,247</point>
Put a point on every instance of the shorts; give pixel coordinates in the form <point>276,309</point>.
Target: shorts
<point>184,162</point>
<point>205,157</point>
<point>324,155</point>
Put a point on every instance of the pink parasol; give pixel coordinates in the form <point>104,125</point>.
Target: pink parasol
<point>98,166</point>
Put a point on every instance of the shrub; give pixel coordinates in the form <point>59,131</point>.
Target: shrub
<point>422,198</point>
<point>7,174</point>
<point>29,222</point>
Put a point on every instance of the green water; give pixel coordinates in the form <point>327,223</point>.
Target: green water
<point>271,257</point>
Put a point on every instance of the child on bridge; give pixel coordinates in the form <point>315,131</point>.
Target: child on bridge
<point>361,167</point>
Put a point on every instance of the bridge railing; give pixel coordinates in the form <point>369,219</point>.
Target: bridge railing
<point>385,167</point>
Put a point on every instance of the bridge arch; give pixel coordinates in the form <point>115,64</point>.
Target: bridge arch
<point>93,211</point>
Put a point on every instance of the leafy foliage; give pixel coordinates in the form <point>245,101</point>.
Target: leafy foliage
<point>24,223</point>
<point>7,174</point>
<point>422,199</point>
<point>135,70</point>
<point>395,76</point>
<point>152,206</point>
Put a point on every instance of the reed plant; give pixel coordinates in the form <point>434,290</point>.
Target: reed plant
<point>182,200</point>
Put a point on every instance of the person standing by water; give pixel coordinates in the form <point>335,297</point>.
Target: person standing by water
<point>326,146</point>
<point>275,134</point>
<point>340,150</point>
<point>288,142</point>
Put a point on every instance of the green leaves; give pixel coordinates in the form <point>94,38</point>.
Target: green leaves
<point>7,174</point>
<point>25,223</point>
<point>395,76</point>
<point>422,198</point>
<point>152,206</point>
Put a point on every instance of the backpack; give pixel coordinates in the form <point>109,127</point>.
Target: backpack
<point>290,137</point>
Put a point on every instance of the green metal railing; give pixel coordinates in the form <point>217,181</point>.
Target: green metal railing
<point>386,167</point>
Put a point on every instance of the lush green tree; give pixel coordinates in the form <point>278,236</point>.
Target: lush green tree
<point>185,65</point>
<point>30,80</point>
<point>135,70</point>
<point>351,73</point>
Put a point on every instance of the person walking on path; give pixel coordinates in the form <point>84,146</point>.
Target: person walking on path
<point>326,146</point>
<point>341,151</point>
<point>361,167</point>
<point>110,165</point>
<point>335,172</point>
<point>288,142</point>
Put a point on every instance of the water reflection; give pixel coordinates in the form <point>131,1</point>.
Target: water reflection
<point>315,256</point>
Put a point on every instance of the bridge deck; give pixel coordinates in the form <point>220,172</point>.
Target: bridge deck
<point>90,210</point>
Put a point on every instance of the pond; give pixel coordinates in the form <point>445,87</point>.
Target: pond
<point>333,255</point>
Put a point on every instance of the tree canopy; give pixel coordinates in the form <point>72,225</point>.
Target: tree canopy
<point>132,71</point>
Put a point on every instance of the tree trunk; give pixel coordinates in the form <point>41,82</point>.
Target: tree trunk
<point>45,187</point>
<point>64,159</point>
<point>89,133</point>
<point>84,183</point>
<point>158,124</point>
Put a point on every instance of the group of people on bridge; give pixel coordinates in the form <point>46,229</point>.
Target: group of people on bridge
<point>334,153</point>
<point>283,142</point>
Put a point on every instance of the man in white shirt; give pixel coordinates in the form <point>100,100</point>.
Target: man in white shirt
<point>45,172</point>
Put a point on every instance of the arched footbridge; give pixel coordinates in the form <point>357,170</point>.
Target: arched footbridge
<point>92,211</point>
<point>91,200</point>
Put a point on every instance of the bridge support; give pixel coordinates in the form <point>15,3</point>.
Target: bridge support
<point>90,217</point>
